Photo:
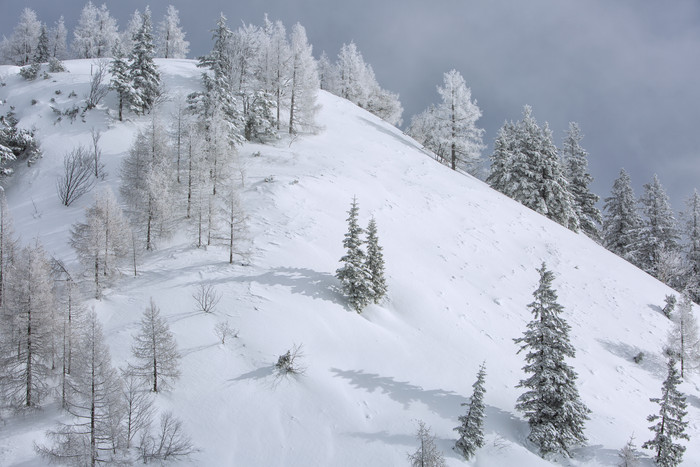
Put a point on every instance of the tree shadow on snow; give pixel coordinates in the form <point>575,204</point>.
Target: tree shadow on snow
<point>656,308</point>
<point>653,363</point>
<point>304,281</point>
<point>446,404</point>
<point>257,374</point>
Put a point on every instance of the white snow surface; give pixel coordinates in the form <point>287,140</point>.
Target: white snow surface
<point>461,265</point>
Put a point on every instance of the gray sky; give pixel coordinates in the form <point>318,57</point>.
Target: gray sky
<point>626,71</point>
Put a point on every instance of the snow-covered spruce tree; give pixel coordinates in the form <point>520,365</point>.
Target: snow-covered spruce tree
<point>427,454</point>
<point>18,49</point>
<point>375,262</point>
<point>504,152</point>
<point>303,82</point>
<point>147,185</point>
<point>354,276</point>
<point>102,239</point>
<point>629,456</point>
<point>155,351</point>
<point>670,426</point>
<point>471,429</point>
<point>121,78</point>
<point>93,436</point>
<point>58,45</point>
<point>576,170</point>
<point>621,221</point>
<point>41,52</point>
<point>28,331</point>
<point>659,232</point>
<point>452,132</point>
<point>171,37</point>
<point>683,340</point>
<point>551,402</point>
<point>145,78</point>
<point>326,73</point>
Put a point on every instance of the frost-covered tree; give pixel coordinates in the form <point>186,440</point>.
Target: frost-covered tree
<point>106,34</point>
<point>28,330</point>
<point>629,456</point>
<point>155,350</point>
<point>551,402</point>
<point>670,424</point>
<point>93,435</point>
<point>19,48</point>
<point>527,168</point>
<point>8,248</point>
<point>102,239</point>
<point>138,406</point>
<point>452,133</point>
<point>41,52</point>
<point>354,275</point>
<point>621,220</point>
<point>303,82</point>
<point>121,78</point>
<point>147,185</point>
<point>471,428</point>
<point>326,73</point>
<point>234,219</point>
<point>692,234</point>
<point>427,454</point>
<point>354,81</point>
<point>144,74</point>
<point>275,70</point>
<point>171,37</point>
<point>58,37</point>
<point>683,339</point>
<point>96,32</point>
<point>385,105</point>
<point>375,263</point>
<point>659,232</point>
<point>576,170</point>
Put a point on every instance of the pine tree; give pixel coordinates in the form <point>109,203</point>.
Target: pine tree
<point>427,454</point>
<point>375,262</point>
<point>41,53</point>
<point>621,221</point>
<point>551,403</point>
<point>94,435</point>
<point>303,83</point>
<point>504,151</point>
<point>171,37</point>
<point>659,232</point>
<point>355,278</point>
<point>155,350</point>
<point>671,426</point>
<point>144,74</point>
<point>471,429</point>
<point>683,338</point>
<point>121,78</point>
<point>576,169</point>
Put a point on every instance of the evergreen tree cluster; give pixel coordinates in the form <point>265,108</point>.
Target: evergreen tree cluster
<point>362,273</point>
<point>16,144</point>
<point>96,35</point>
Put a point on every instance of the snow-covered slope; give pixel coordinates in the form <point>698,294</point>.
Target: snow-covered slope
<point>460,261</point>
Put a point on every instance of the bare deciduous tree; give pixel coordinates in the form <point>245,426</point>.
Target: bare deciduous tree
<point>427,454</point>
<point>206,297</point>
<point>98,88</point>
<point>169,442</point>
<point>77,178</point>
<point>223,331</point>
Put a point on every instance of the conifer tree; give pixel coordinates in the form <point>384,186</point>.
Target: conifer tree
<point>576,169</point>
<point>121,78</point>
<point>551,402</point>
<point>375,262</point>
<point>670,426</point>
<point>683,338</point>
<point>504,151</point>
<point>144,74</point>
<point>659,232</point>
<point>41,53</point>
<point>471,429</point>
<point>629,456</point>
<point>355,277</point>
<point>155,350</point>
<point>621,221</point>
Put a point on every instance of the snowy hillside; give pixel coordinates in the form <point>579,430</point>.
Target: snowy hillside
<point>461,264</point>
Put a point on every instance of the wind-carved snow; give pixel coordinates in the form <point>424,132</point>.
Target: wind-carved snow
<point>460,266</point>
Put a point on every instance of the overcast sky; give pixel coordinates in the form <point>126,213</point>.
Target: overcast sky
<point>627,71</point>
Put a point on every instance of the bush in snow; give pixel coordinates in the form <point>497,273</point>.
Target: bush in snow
<point>289,362</point>
<point>77,178</point>
<point>224,330</point>
<point>427,454</point>
<point>206,297</point>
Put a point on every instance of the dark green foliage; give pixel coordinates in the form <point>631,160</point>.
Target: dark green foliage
<point>375,262</point>
<point>355,277</point>
<point>471,429</point>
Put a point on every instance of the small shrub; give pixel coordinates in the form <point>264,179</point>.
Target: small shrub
<point>46,75</point>
<point>56,66</point>
<point>669,306</point>
<point>257,154</point>
<point>72,94</point>
<point>223,331</point>
<point>206,297</point>
<point>34,101</point>
<point>638,358</point>
<point>30,72</point>
<point>57,92</point>
<point>289,362</point>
